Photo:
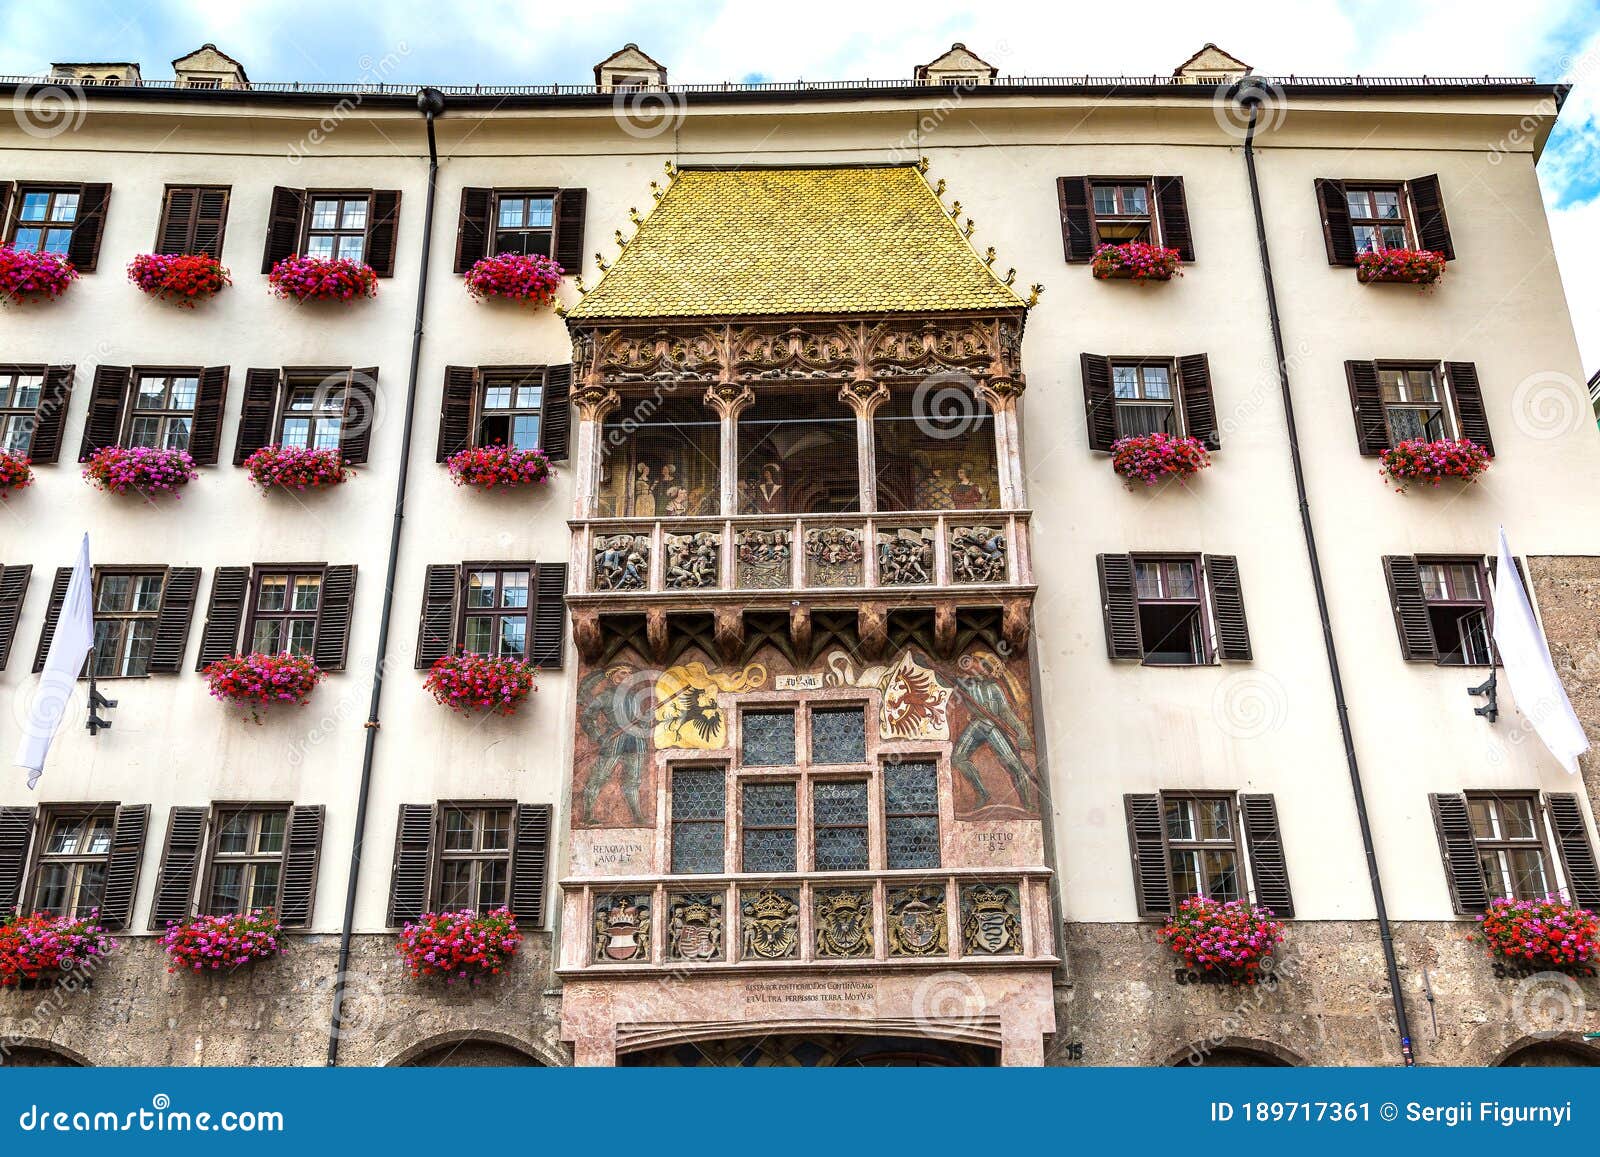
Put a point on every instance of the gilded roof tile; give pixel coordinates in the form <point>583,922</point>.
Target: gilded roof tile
<point>843,240</point>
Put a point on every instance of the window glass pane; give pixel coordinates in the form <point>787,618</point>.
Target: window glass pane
<point>1134,419</point>
<point>492,876</point>
<point>115,590</point>
<point>306,589</point>
<point>264,886</point>
<point>50,897</point>
<point>327,434</point>
<point>1528,879</point>
<point>324,214</point>
<point>1215,821</point>
<point>1463,581</point>
<point>27,240</point>
<point>28,389</point>
<point>541,212</point>
<point>1180,819</point>
<point>99,841</point>
<point>319,245</point>
<point>152,393</point>
<point>513,636</point>
<point>479,635</point>
<point>514,589</point>
<point>267,637</point>
<point>1393,236</point>
<point>147,592</point>
<point>455,884</point>
<point>1386,203</point>
<point>177,434</point>
<point>766,850</point>
<point>227,889</point>
<point>16,435</point>
<point>913,842</point>
<point>234,838</point>
<point>1366,238</point>
<point>458,831</point>
<point>768,739</point>
<point>481,586</point>
<point>297,433</point>
<point>145,432</point>
<point>1105,199</point>
<point>497,397</point>
<point>65,207</point>
<point>1147,579</point>
<point>183,393</point>
<point>355,214</point>
<point>496,825</point>
<point>841,849</point>
<point>1433,580</point>
<point>1185,875</point>
<point>108,647</point>
<point>1125,381</point>
<point>138,640</point>
<point>1181,581</point>
<point>1483,816</point>
<point>769,817</point>
<point>839,813</point>
<point>302,633</point>
<point>1157,382</point>
<point>272,828</point>
<point>66,837</point>
<point>525,432</point>
<point>1222,875</point>
<point>511,212</point>
<point>34,206</point>
<point>797,455</point>
<point>839,735</point>
<point>352,248</point>
<point>1134,199</point>
<point>1516,816</point>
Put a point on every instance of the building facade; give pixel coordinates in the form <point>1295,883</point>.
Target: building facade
<point>879,720</point>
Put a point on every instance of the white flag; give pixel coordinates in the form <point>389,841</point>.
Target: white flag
<point>1526,657</point>
<point>68,647</point>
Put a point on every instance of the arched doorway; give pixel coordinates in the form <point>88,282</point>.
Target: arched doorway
<point>1235,1054</point>
<point>814,1051</point>
<point>38,1057</point>
<point>1551,1054</point>
<point>472,1053</point>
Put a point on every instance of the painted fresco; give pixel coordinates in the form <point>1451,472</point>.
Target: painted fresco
<point>977,708</point>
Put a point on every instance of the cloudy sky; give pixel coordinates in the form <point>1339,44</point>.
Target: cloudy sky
<point>515,42</point>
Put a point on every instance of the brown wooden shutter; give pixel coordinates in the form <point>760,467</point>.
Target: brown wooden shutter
<point>1199,406</point>
<point>50,417</point>
<point>1120,606</point>
<point>455,410</point>
<point>6,188</point>
<point>436,632</point>
<point>556,427</point>
<point>107,399</point>
<point>16,830</point>
<point>219,638</point>
<point>332,643</point>
<point>13,589</point>
<point>180,867</point>
<point>1227,604</point>
<point>84,248</point>
<point>1433,227</point>
<point>1265,841</point>
<point>1077,226</point>
<point>261,389</point>
<point>175,230</point>
<point>566,242</point>
<point>413,857</point>
<point>1366,404</point>
<point>1410,609</point>
<point>52,612</point>
<point>1099,403</point>
<point>210,399</point>
<point>122,866</point>
<point>303,852</point>
<point>360,411</point>
<point>383,230</point>
<point>178,597</point>
<point>1337,235</point>
<point>1470,411</point>
<point>1577,853</point>
<point>283,226</point>
<point>550,616</point>
<point>211,222</point>
<point>1152,886</point>
<point>1174,213</point>
<point>473,230</point>
<point>1462,871</point>
<point>530,862</point>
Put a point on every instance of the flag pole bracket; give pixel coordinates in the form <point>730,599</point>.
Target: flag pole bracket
<point>1491,709</point>
<point>97,701</point>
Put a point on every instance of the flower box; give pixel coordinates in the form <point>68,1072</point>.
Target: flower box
<point>481,683</point>
<point>296,468</point>
<point>140,469</point>
<point>212,943</point>
<point>460,946</point>
<point>1421,460</point>
<point>16,473</point>
<point>1230,938</point>
<point>27,276</point>
<point>498,467</point>
<point>1547,933</point>
<point>1136,261</point>
<point>1407,266</point>
<point>42,948</point>
<point>322,279</point>
<point>258,681</point>
<point>527,280</point>
<point>1149,458</point>
<point>184,279</point>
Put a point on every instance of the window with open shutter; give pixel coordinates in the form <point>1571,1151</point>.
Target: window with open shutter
<point>1469,892</point>
<point>52,612</point>
<point>108,397</point>
<point>530,860</point>
<point>193,219</point>
<point>1572,843</point>
<point>122,866</point>
<point>283,226</point>
<point>178,596</point>
<point>571,210</point>
<point>550,616</point>
<point>1432,225</point>
<point>1265,841</point>
<point>1119,604</point>
<point>436,631</point>
<point>474,228</point>
<point>219,638</point>
<point>1410,608</point>
<point>1366,404</point>
<point>1099,403</point>
<point>413,858</point>
<point>303,852</point>
<point>1335,212</point>
<point>89,226</point>
<point>1173,210</point>
<point>16,833</point>
<point>557,412</point>
<point>261,390</point>
<point>1146,841</point>
<point>13,590</point>
<point>383,231</point>
<point>1227,604</point>
<point>1472,419</point>
<point>1077,231</point>
<point>179,872</point>
<point>1199,406</point>
<point>210,399</point>
<point>360,411</point>
<point>49,419</point>
<point>456,409</point>
<point>332,643</point>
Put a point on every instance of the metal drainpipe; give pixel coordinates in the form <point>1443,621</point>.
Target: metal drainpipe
<point>430,102</point>
<point>1252,96</point>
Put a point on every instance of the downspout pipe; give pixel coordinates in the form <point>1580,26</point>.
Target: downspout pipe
<point>430,103</point>
<point>1251,95</point>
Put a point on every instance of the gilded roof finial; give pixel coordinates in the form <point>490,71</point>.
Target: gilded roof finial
<point>656,191</point>
<point>599,259</point>
<point>938,188</point>
<point>922,164</point>
<point>577,283</point>
<point>633,215</point>
<point>671,169</point>
<point>561,309</point>
<point>967,232</point>
<point>621,244</point>
<point>955,208</point>
<point>988,255</point>
<point>1034,291</point>
<point>1011,275</point>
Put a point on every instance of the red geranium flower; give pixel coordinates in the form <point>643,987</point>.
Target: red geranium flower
<point>181,278</point>
<point>459,946</point>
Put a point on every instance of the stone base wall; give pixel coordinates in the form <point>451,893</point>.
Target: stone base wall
<point>276,1012</point>
<point>1328,1004</point>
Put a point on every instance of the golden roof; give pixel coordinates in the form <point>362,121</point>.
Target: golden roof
<point>843,240</point>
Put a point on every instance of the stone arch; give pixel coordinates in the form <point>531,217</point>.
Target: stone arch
<point>1235,1052</point>
<point>474,1048</point>
<point>30,1052</point>
<point>838,1049</point>
<point>1549,1052</point>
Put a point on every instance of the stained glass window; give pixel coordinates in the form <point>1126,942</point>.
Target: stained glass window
<point>768,739</point>
<point>769,826</point>
<point>839,814</point>
<point>911,814</point>
<point>698,802</point>
<point>839,735</point>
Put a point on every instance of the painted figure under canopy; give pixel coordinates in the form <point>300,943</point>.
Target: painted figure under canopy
<point>983,688</point>
<point>619,728</point>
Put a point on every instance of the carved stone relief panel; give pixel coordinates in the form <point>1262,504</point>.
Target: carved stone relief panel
<point>905,557</point>
<point>693,560</point>
<point>622,562</point>
<point>765,558</point>
<point>833,556</point>
<point>978,554</point>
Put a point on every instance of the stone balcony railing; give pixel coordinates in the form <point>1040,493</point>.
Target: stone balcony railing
<point>783,554</point>
<point>830,921</point>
